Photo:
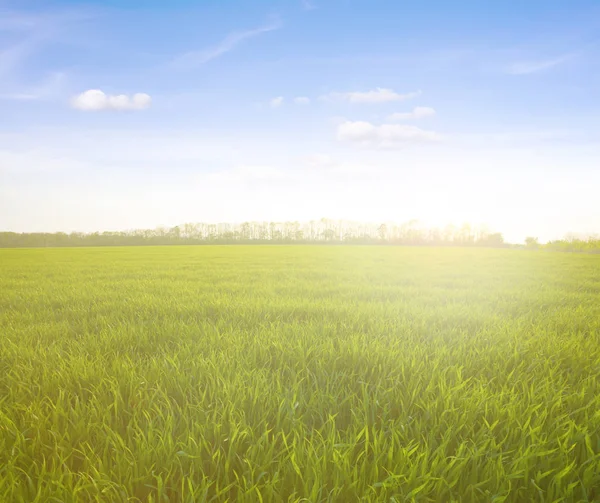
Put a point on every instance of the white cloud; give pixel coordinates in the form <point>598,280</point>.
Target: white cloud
<point>276,102</point>
<point>528,67</point>
<point>417,113</point>
<point>196,58</point>
<point>385,136</point>
<point>378,95</point>
<point>302,100</point>
<point>95,100</point>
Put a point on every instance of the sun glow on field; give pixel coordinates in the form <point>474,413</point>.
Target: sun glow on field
<point>281,373</point>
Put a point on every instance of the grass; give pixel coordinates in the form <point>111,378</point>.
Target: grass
<point>299,374</point>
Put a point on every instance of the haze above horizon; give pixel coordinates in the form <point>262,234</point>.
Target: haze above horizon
<point>129,114</point>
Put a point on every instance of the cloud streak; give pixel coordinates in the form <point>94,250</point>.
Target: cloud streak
<point>276,102</point>
<point>29,32</point>
<point>308,5</point>
<point>13,56</point>
<point>378,95</point>
<point>530,67</point>
<point>17,21</point>
<point>49,88</point>
<point>193,59</point>
<point>417,113</point>
<point>365,134</point>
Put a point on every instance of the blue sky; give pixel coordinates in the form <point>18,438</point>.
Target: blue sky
<point>126,114</point>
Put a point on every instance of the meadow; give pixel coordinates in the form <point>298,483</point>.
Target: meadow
<point>299,374</point>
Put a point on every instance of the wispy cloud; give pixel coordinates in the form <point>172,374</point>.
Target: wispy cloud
<point>368,135</point>
<point>516,137</point>
<point>276,102</point>
<point>29,33</point>
<point>49,88</point>
<point>378,95</point>
<point>196,58</point>
<point>417,113</point>
<point>308,5</point>
<point>18,21</point>
<point>529,67</point>
<point>18,97</point>
<point>13,56</point>
<point>10,23</point>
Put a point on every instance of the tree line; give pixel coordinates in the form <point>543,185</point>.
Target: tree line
<point>324,231</point>
<point>316,231</point>
<point>570,244</point>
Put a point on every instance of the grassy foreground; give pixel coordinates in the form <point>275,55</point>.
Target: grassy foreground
<point>289,374</point>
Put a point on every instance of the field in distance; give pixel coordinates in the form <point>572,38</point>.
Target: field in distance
<point>299,373</point>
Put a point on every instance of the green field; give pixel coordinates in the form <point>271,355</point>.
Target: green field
<point>299,374</point>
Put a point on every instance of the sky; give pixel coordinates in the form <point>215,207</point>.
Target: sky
<point>123,114</point>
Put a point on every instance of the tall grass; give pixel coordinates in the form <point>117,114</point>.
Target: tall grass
<point>299,374</point>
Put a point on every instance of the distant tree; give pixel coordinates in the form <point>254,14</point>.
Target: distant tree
<point>495,239</point>
<point>328,234</point>
<point>481,231</point>
<point>272,230</point>
<point>324,230</point>
<point>532,242</point>
<point>450,234</point>
<point>465,233</point>
<point>175,232</point>
<point>296,233</point>
<point>245,230</point>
